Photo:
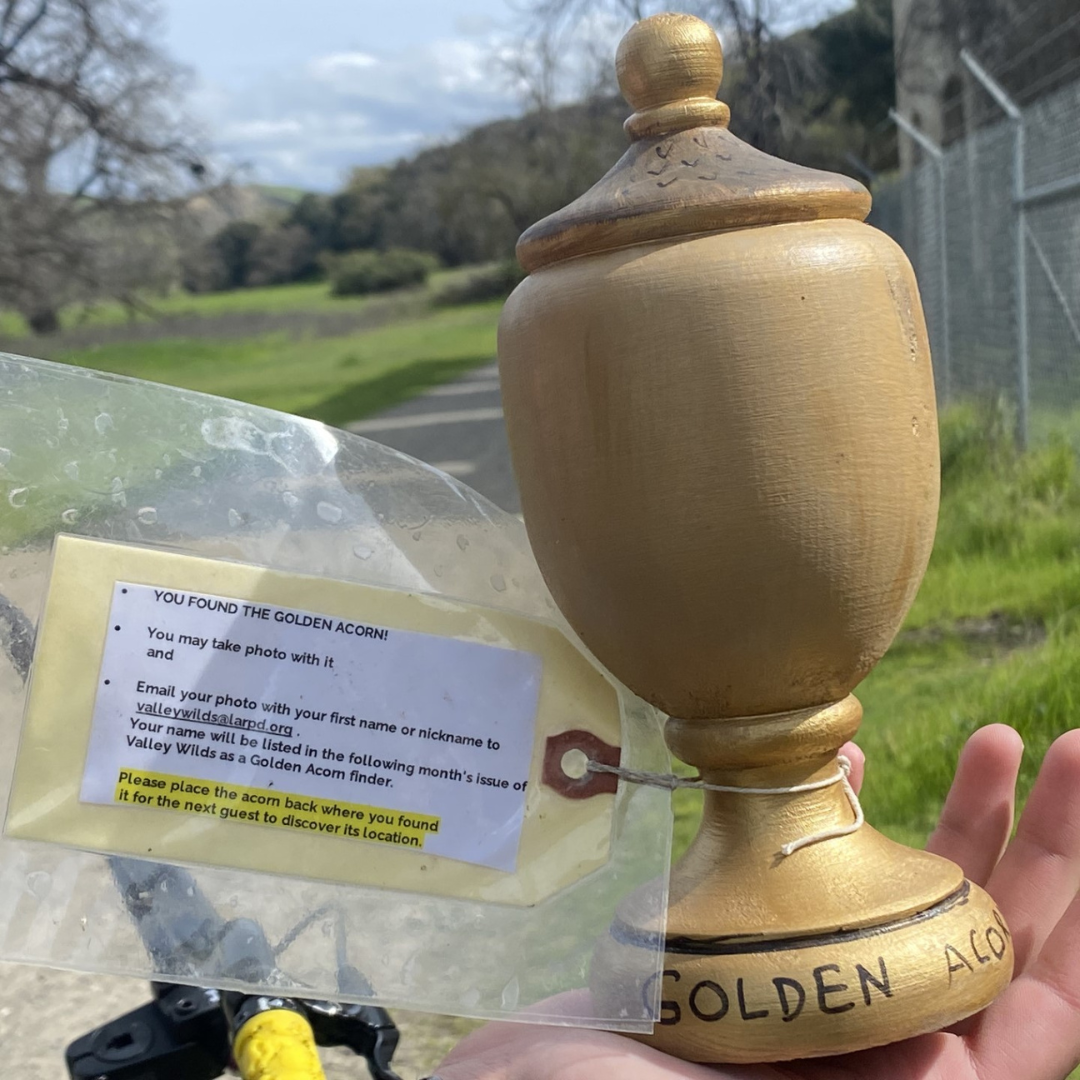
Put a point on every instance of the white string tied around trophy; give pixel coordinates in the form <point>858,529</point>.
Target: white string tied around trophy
<point>670,781</point>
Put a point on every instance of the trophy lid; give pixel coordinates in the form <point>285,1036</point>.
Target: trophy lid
<point>685,172</point>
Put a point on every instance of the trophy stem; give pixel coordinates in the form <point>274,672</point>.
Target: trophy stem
<point>845,943</point>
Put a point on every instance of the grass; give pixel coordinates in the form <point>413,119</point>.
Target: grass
<point>310,296</point>
<point>307,296</point>
<point>330,379</point>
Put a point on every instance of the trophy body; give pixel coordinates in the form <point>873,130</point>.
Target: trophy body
<point>722,419</point>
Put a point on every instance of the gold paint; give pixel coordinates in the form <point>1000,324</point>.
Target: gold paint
<point>726,443</point>
<point>852,993</point>
<point>671,78</point>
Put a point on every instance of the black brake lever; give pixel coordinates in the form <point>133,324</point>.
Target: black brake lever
<point>366,1030</point>
<point>181,1035</point>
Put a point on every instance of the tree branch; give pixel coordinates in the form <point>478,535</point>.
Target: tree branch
<point>27,28</point>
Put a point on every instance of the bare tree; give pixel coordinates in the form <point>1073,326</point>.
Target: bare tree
<point>771,70</point>
<point>93,149</point>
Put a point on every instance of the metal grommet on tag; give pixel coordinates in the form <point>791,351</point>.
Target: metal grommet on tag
<point>589,748</point>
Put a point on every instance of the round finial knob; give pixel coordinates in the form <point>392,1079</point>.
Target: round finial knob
<point>669,68</point>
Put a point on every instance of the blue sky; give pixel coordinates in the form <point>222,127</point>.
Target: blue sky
<point>301,90</point>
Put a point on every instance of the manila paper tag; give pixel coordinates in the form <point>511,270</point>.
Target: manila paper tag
<point>201,711</point>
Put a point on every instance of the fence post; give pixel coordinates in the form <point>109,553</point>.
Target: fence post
<point>1012,110</point>
<point>937,155</point>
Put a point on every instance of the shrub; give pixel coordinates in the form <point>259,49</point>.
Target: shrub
<point>356,273</point>
<point>488,283</point>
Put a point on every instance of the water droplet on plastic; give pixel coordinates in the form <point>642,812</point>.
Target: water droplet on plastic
<point>462,541</point>
<point>235,518</point>
<point>117,485</point>
<point>70,516</point>
<point>63,424</point>
<point>498,582</point>
<point>511,993</point>
<point>362,551</point>
<point>197,471</point>
<point>329,512</point>
<point>158,474</point>
<point>290,500</point>
<point>5,455</point>
<point>416,535</point>
<point>166,460</point>
<point>147,515</point>
<point>120,498</point>
<point>52,442</point>
<point>38,883</point>
<point>471,997</point>
<point>17,497</point>
<point>102,423</point>
<point>71,470</point>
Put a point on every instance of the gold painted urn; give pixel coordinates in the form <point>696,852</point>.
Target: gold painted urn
<point>717,386</point>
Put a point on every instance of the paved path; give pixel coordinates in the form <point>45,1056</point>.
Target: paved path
<point>457,427</point>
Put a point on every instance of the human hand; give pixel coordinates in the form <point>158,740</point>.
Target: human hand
<point>1031,1032</point>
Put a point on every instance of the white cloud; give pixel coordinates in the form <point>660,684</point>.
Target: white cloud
<point>309,124</point>
<point>337,66</point>
<point>255,131</point>
<point>462,65</point>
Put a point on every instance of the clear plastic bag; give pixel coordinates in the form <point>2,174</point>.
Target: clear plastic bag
<point>116,459</point>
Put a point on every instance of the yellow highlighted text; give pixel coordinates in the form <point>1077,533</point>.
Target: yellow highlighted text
<point>281,809</point>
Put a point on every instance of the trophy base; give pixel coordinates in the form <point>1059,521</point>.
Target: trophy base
<point>777,950</point>
<point>727,1000</point>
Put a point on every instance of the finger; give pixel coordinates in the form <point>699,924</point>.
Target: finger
<point>1039,874</point>
<point>858,764</point>
<point>1033,1029</point>
<point>978,814</point>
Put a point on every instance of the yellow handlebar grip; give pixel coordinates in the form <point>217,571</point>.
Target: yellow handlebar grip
<point>277,1045</point>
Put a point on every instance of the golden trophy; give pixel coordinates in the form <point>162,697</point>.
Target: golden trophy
<point>721,410</point>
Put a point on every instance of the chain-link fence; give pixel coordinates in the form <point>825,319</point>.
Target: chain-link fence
<point>992,227</point>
